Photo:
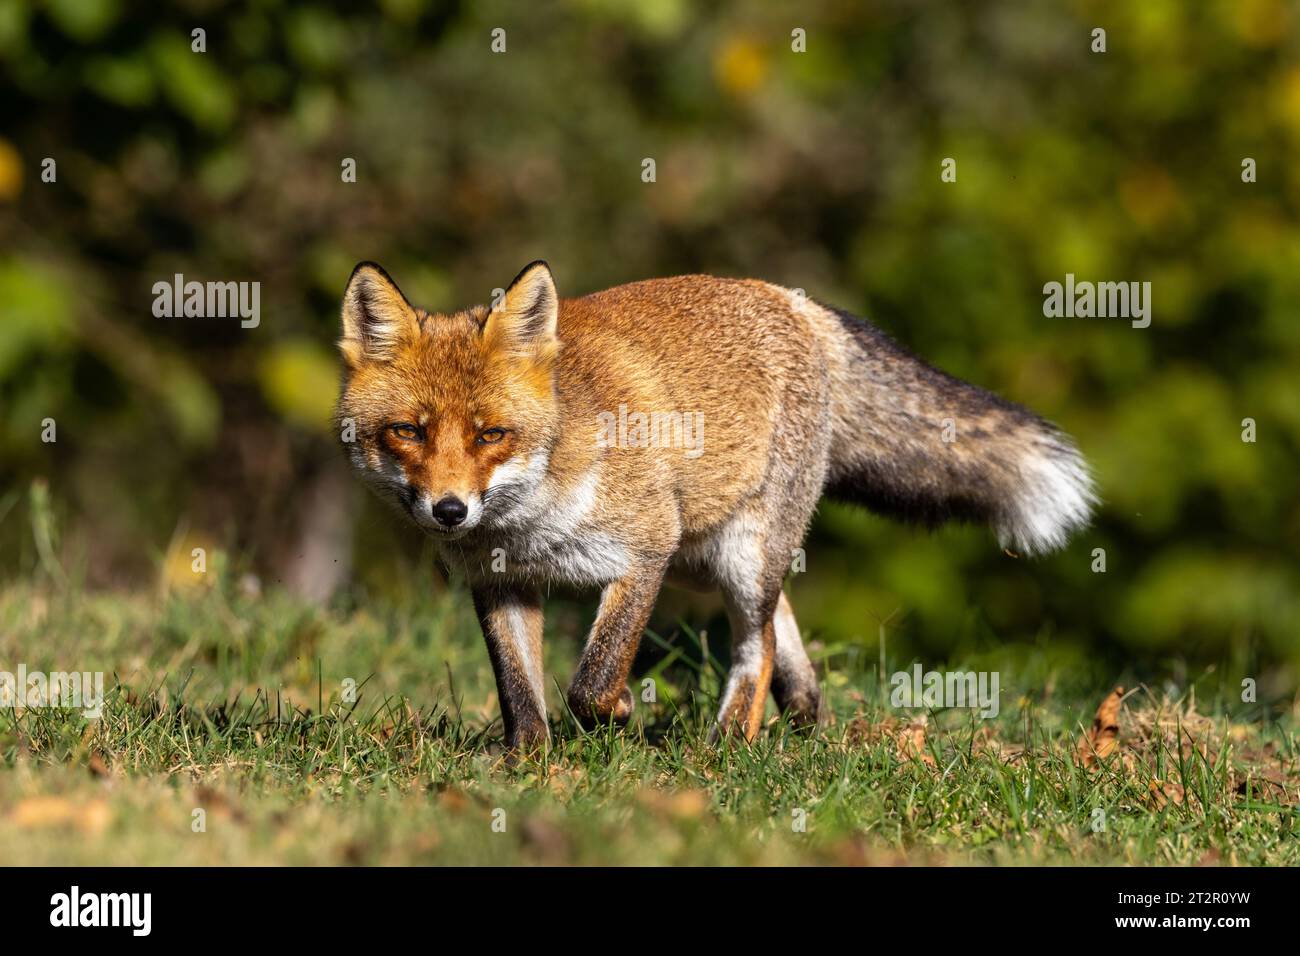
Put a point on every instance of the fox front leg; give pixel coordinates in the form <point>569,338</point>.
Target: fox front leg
<point>599,690</point>
<point>511,618</point>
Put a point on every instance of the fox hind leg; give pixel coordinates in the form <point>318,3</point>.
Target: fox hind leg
<point>749,556</point>
<point>751,588</point>
<point>794,681</point>
<point>753,654</point>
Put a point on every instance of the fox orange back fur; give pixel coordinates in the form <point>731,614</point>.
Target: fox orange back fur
<point>676,429</point>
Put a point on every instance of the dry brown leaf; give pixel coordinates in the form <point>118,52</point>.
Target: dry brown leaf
<point>985,741</point>
<point>1161,792</point>
<point>911,741</point>
<point>563,781</point>
<point>862,732</point>
<point>1265,784</point>
<point>1101,739</point>
<point>909,738</point>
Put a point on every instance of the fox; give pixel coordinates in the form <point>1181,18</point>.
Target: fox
<point>513,435</point>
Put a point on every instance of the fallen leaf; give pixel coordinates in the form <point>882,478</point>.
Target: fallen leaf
<point>1162,792</point>
<point>911,741</point>
<point>985,741</point>
<point>1100,741</point>
<point>860,731</point>
<point>1264,784</point>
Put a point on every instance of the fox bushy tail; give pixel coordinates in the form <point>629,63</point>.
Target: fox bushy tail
<point>915,443</point>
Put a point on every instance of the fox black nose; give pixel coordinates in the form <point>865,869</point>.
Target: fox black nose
<point>450,511</point>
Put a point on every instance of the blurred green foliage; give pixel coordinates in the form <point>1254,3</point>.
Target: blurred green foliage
<point>818,170</point>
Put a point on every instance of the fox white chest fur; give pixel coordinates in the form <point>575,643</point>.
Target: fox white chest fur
<point>551,533</point>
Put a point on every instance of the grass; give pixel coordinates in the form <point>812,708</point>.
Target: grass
<point>233,711</point>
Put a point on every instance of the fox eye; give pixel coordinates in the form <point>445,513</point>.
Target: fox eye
<point>405,431</point>
<point>491,436</point>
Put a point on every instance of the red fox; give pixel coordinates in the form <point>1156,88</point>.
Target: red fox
<point>674,430</point>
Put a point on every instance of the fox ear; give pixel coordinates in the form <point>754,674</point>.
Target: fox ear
<point>523,320</point>
<point>376,316</point>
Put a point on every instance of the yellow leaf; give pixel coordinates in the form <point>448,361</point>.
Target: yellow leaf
<point>300,380</point>
<point>11,172</point>
<point>740,66</point>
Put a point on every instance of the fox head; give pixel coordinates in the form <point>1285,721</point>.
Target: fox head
<point>449,417</point>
